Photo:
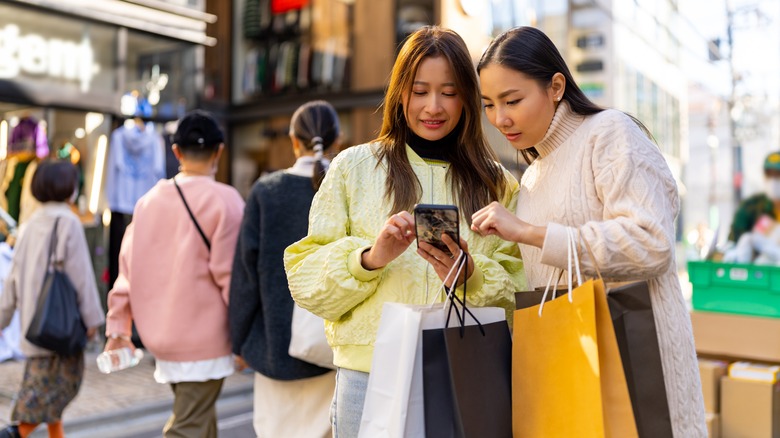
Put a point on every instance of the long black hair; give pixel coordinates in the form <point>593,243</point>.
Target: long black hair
<point>529,51</point>
<point>316,125</point>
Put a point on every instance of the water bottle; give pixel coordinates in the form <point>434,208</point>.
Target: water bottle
<point>117,360</point>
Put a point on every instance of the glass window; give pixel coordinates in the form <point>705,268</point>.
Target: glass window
<point>162,77</point>
<point>412,15</point>
<point>298,50</point>
<point>52,50</point>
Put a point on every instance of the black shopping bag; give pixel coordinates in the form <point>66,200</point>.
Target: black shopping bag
<point>632,316</point>
<point>467,376</point>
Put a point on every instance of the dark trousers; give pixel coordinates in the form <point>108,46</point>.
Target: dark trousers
<point>194,412</point>
<point>116,231</point>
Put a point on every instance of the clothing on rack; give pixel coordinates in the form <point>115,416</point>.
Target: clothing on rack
<point>15,193</point>
<point>28,136</point>
<point>136,161</point>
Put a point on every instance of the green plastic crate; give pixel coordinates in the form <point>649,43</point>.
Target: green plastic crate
<point>735,288</point>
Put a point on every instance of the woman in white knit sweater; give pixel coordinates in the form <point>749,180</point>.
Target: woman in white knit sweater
<point>598,172</point>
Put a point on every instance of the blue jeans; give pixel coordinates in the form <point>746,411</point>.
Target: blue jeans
<point>347,407</point>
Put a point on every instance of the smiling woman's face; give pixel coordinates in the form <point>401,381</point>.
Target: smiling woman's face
<point>434,107</point>
<point>517,105</point>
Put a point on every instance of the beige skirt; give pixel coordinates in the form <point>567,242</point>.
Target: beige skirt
<point>293,408</point>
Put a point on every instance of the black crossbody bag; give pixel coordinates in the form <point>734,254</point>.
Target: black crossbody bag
<point>192,216</point>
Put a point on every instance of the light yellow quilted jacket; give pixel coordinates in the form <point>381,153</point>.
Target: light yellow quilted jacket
<point>324,270</point>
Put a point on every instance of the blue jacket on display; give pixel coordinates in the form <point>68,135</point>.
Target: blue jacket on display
<point>136,161</point>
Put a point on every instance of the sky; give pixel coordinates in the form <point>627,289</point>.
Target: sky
<point>756,38</point>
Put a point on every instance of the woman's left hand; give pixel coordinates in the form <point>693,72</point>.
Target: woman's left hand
<point>442,262</point>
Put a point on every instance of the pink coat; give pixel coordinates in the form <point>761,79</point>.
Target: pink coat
<point>169,283</point>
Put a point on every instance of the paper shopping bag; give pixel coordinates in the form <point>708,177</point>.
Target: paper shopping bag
<point>392,366</point>
<point>394,396</point>
<point>632,317</point>
<point>567,357</point>
<point>467,375</point>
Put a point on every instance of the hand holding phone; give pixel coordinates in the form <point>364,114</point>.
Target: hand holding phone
<point>432,221</point>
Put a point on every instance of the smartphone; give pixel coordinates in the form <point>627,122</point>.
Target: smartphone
<point>433,220</point>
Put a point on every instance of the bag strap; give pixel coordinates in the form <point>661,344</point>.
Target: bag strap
<point>52,245</point>
<point>192,216</point>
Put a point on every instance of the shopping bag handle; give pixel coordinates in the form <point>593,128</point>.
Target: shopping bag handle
<point>454,301</point>
<point>456,268</point>
<point>573,262</point>
<point>592,257</point>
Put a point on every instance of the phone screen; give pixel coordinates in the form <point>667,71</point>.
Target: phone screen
<point>432,220</point>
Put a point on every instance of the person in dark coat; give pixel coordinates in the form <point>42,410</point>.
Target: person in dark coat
<point>292,397</point>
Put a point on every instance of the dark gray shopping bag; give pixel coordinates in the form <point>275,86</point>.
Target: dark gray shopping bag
<point>467,381</point>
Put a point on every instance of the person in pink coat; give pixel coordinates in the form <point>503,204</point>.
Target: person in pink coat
<point>174,278</point>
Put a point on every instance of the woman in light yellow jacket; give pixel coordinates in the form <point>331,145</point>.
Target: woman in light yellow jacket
<point>359,253</point>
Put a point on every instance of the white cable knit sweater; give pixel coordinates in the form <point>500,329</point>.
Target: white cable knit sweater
<point>602,176</point>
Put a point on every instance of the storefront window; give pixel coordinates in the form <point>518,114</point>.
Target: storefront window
<point>47,51</point>
<point>412,15</point>
<point>295,46</point>
<point>162,77</point>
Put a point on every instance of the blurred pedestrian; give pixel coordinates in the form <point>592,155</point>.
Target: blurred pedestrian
<point>51,380</point>
<point>358,253</point>
<point>292,397</point>
<point>766,203</point>
<point>174,278</point>
<point>598,172</point>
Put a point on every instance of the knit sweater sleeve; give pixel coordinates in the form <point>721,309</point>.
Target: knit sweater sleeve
<point>323,269</point>
<point>244,282</point>
<point>634,238</point>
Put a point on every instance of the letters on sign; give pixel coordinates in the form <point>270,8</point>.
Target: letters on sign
<point>34,55</point>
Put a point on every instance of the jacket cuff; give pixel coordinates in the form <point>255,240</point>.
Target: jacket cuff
<point>555,247</point>
<point>477,279</point>
<point>355,266</point>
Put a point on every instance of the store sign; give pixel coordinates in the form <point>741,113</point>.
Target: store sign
<point>34,55</point>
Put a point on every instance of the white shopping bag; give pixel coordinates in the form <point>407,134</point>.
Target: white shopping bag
<point>394,397</point>
<point>307,339</point>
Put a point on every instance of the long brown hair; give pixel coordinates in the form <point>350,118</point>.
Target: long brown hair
<point>477,178</point>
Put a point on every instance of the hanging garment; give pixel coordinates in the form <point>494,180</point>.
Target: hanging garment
<point>29,136</point>
<point>136,161</point>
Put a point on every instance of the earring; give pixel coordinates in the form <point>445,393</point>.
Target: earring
<point>559,98</point>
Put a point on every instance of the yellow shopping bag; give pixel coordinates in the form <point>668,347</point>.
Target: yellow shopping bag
<point>567,375</point>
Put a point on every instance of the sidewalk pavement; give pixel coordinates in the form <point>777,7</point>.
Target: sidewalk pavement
<point>106,398</point>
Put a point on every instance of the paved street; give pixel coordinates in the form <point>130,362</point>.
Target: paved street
<point>130,403</point>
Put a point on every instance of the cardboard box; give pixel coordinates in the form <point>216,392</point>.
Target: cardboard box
<point>713,425</point>
<point>749,409</point>
<point>711,372</point>
<point>736,336</point>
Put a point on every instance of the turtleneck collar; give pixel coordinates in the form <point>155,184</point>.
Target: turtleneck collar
<point>564,123</point>
<point>434,149</point>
